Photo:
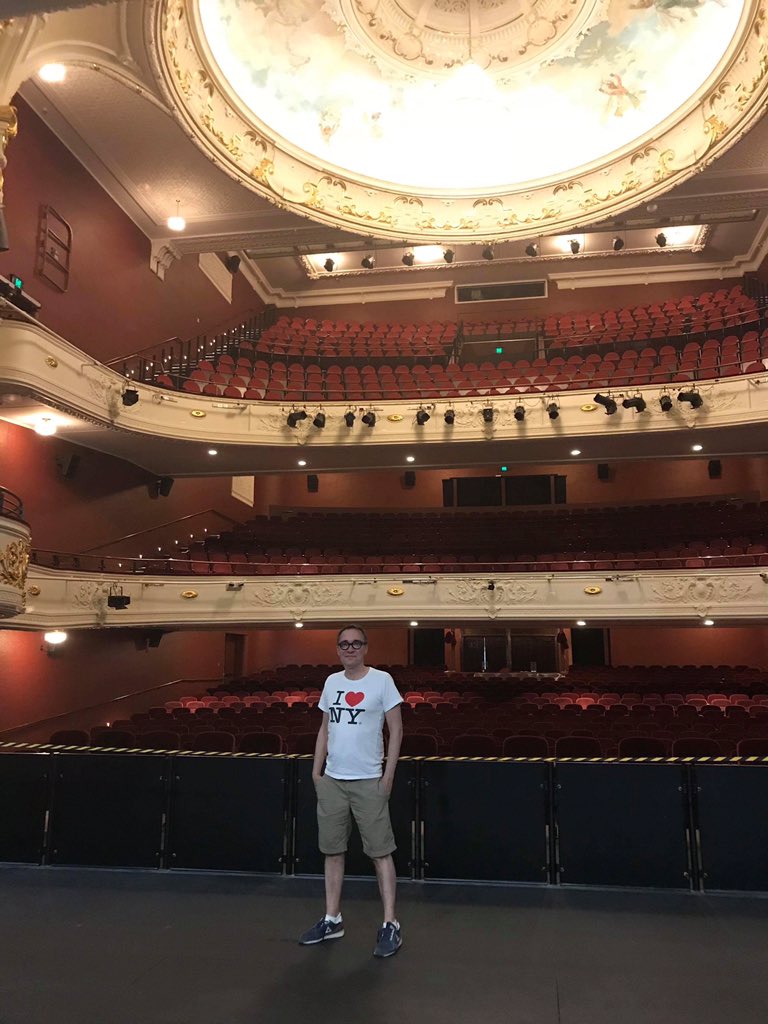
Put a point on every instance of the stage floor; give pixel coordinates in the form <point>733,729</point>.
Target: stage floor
<point>126,947</point>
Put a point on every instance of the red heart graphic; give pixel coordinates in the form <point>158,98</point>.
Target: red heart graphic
<point>354,698</point>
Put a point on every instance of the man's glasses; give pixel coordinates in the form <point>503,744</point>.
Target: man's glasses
<point>350,645</point>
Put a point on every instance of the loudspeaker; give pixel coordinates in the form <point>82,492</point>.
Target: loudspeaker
<point>67,465</point>
<point>164,486</point>
<point>148,638</point>
<point>715,469</point>
<point>409,478</point>
<point>313,483</point>
<point>603,472</point>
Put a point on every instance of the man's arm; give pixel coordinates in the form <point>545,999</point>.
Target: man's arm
<point>321,749</point>
<point>395,726</point>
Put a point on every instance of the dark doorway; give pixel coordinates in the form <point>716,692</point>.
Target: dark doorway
<point>483,653</point>
<point>588,646</point>
<point>428,647</point>
<point>234,655</point>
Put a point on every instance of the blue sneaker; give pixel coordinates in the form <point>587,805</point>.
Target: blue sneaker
<point>321,931</point>
<point>388,940</point>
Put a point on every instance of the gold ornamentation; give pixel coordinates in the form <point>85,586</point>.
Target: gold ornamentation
<point>588,407</point>
<point>198,414</point>
<point>14,560</point>
<point>395,417</point>
<point>33,590</point>
<point>593,591</point>
<point>395,591</point>
<point>50,361</point>
<point>189,595</point>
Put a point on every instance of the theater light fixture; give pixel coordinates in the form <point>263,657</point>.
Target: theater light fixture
<point>117,599</point>
<point>422,417</point>
<point>575,246</point>
<point>55,637</point>
<point>176,222</point>
<point>661,239</point>
<point>666,403</point>
<point>329,265</point>
<point>580,622</point>
<point>638,403</point>
<point>697,447</point>
<point>607,403</point>
<point>130,396</point>
<point>408,259</point>
<point>45,426</point>
<point>488,414</point>
<point>410,458</point>
<point>52,73</point>
<point>299,625</point>
<point>414,623</point>
<point>488,253</point>
<point>692,397</point>
<point>319,420</point>
<point>369,418</point>
<point>575,451</point>
<point>519,412</point>
<point>349,418</point>
<point>448,255</point>
<point>295,416</point>
<point>618,244</point>
<point>368,262</point>
<point>553,410</point>
<point>532,249</point>
<point>301,462</point>
<point>708,622</point>
<point>449,416</point>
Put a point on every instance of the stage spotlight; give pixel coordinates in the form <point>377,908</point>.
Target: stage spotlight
<point>349,418</point>
<point>130,396</point>
<point>487,253</point>
<point>575,245</point>
<point>661,239</point>
<point>369,418</point>
<point>607,402</point>
<point>553,410</point>
<point>117,599</point>
<point>449,417</point>
<point>422,417</point>
<point>368,262</point>
<point>693,397</point>
<point>319,420</point>
<point>295,416</point>
<point>532,249</point>
<point>488,414</point>
<point>448,255</point>
<point>329,265</point>
<point>666,403</point>
<point>519,413</point>
<point>408,259</point>
<point>618,244</point>
<point>638,403</point>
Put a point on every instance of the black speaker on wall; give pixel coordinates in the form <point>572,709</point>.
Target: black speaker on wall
<point>313,483</point>
<point>67,465</point>
<point>409,478</point>
<point>164,486</point>
<point>603,472</point>
<point>715,469</point>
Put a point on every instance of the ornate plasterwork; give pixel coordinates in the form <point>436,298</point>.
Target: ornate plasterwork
<point>693,134</point>
<point>297,598</point>
<point>493,597</point>
<point>702,592</point>
<point>14,560</point>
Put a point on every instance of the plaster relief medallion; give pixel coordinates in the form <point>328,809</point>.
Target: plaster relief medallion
<point>297,595</point>
<point>701,592</point>
<point>14,560</point>
<point>89,595</point>
<point>33,590</point>
<point>50,361</point>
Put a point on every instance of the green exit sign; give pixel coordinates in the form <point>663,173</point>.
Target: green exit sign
<point>17,282</point>
<point>499,350</point>
<point>503,469</point>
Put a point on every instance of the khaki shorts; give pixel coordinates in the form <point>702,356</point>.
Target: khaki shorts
<point>338,800</point>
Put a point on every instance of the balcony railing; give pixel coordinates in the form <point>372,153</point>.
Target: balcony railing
<point>11,506</point>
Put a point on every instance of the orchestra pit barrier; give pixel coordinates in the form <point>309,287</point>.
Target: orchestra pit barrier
<point>678,824</point>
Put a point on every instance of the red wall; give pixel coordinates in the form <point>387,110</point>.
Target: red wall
<point>95,666</point>
<point>695,645</point>
<point>268,648</point>
<point>115,304</point>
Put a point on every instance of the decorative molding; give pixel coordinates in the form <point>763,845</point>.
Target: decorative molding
<point>702,592</point>
<point>14,565</point>
<point>217,273</point>
<point>163,253</point>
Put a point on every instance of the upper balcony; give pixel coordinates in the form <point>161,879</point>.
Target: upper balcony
<point>14,554</point>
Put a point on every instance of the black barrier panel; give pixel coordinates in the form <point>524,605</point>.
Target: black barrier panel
<point>228,814</point>
<point>733,826</point>
<point>108,809</point>
<point>402,808</point>
<point>622,824</point>
<point>24,787</point>
<point>485,820</point>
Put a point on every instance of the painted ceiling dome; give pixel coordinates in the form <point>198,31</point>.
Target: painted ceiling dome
<point>458,120</point>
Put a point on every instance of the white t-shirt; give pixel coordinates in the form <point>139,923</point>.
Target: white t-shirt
<point>356,709</point>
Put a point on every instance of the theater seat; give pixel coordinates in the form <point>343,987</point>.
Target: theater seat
<point>475,746</point>
<point>642,746</point>
<point>222,742</point>
<point>160,739</point>
<point>695,746</point>
<point>71,737</point>
<point>577,746</point>
<point>302,743</point>
<point>525,746</point>
<point>419,745</point>
<point>261,743</point>
<point>755,746</point>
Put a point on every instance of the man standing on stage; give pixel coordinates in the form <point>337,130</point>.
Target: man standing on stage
<point>355,702</point>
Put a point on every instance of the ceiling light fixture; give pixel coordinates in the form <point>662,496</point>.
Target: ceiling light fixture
<point>53,73</point>
<point>55,636</point>
<point>301,462</point>
<point>661,239</point>
<point>708,622</point>
<point>368,262</point>
<point>212,451</point>
<point>697,447</point>
<point>329,265</point>
<point>638,403</point>
<point>580,622</point>
<point>448,255</point>
<point>575,451</point>
<point>299,625</point>
<point>488,253</point>
<point>532,249</point>
<point>414,623</point>
<point>618,244</point>
<point>408,259</point>
<point>410,458</point>
<point>176,222</point>
<point>45,426</point>
<point>607,403</point>
<point>692,397</point>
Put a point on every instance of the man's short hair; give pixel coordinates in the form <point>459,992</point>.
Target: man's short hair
<point>352,625</point>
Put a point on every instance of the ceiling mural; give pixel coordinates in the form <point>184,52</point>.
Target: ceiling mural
<point>462,119</point>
